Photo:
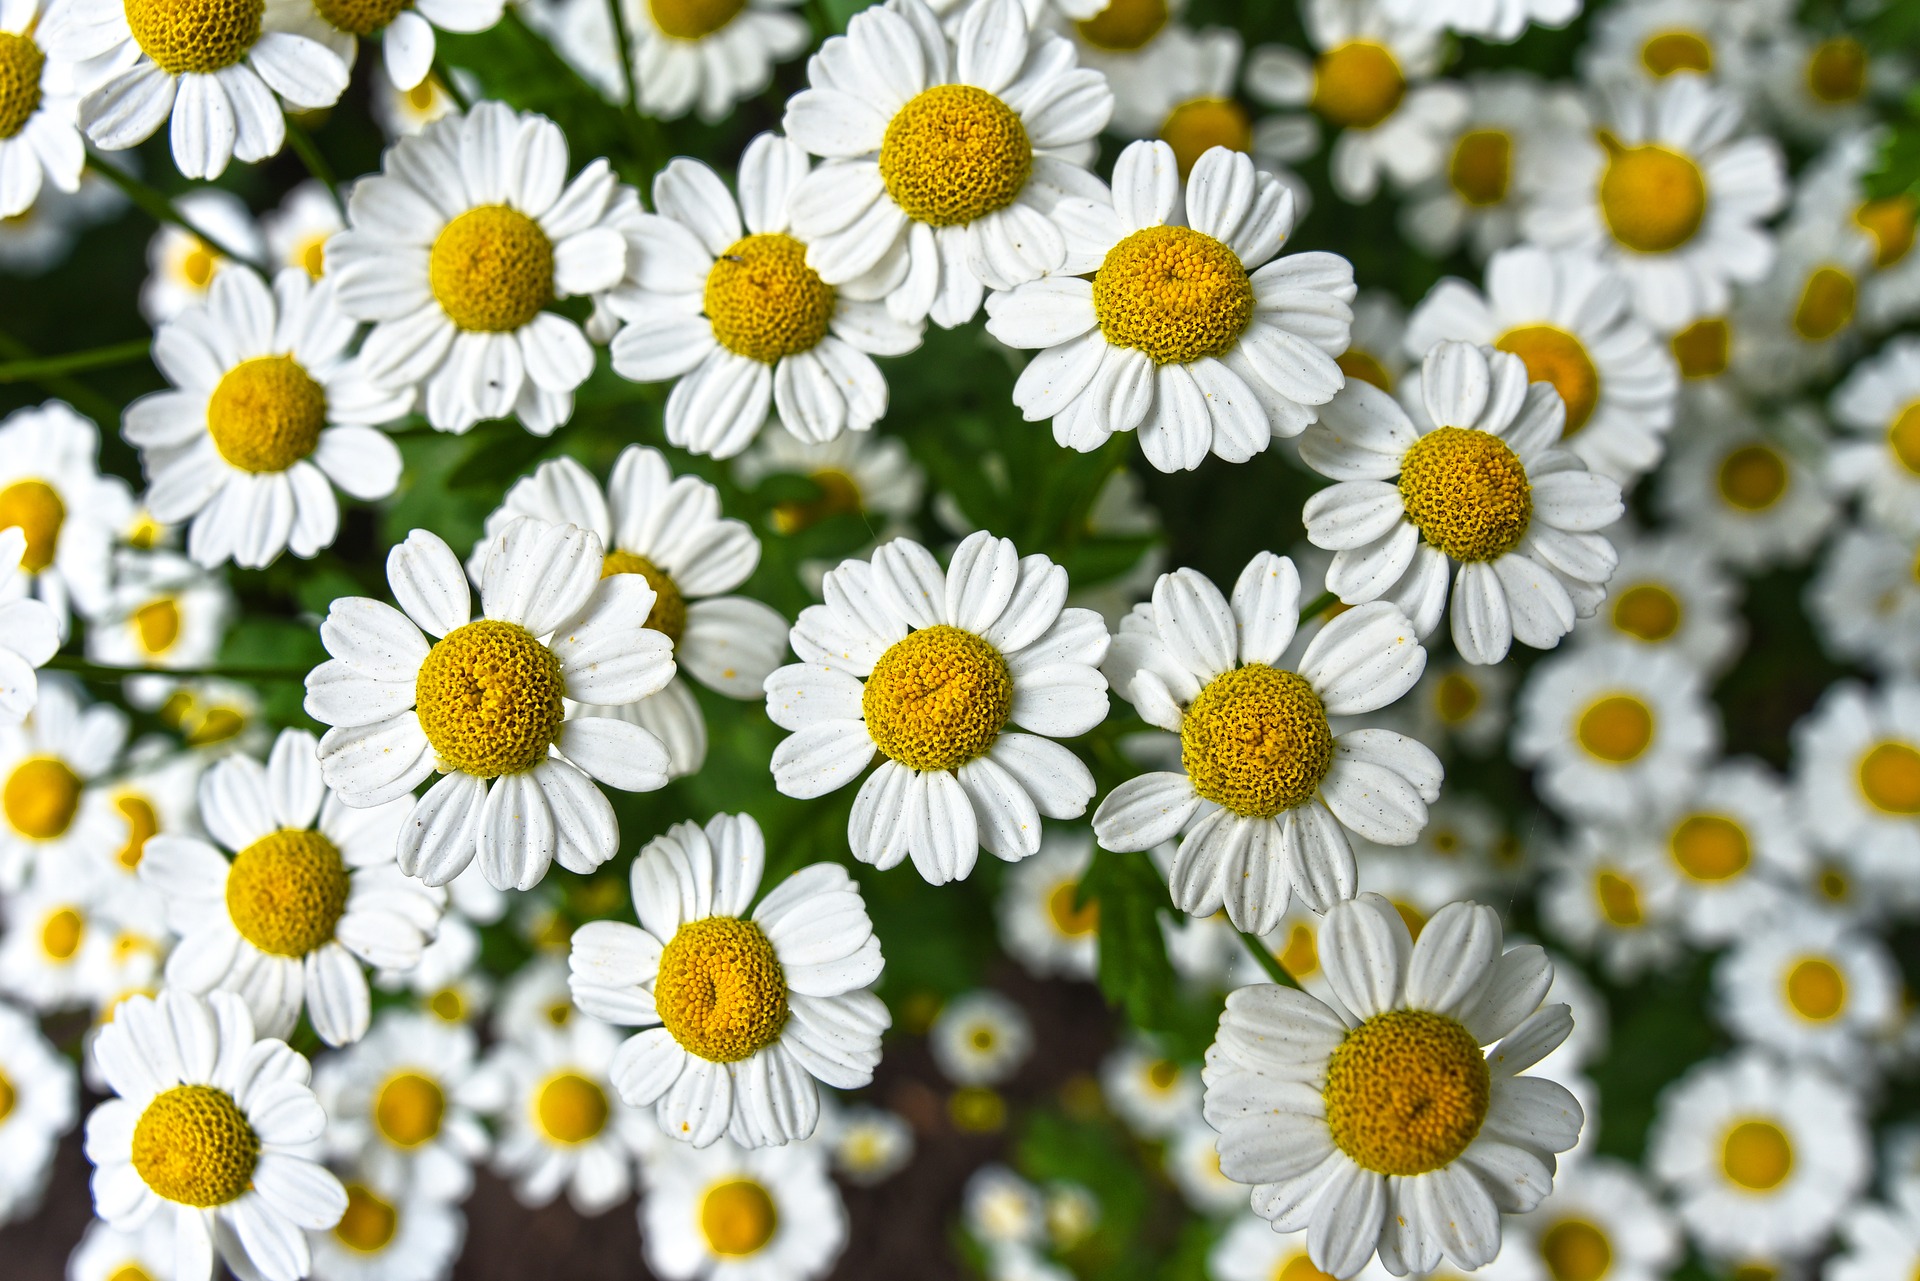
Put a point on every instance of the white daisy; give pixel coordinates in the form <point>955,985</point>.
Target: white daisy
<point>58,951</point>
<point>51,487</point>
<point>296,231</point>
<point>980,1038</point>
<point>38,1100</point>
<point>401,113</point>
<point>699,55</point>
<point>454,252</point>
<point>56,812</point>
<point>153,794</point>
<point>1797,324</point>
<point>210,1129</point>
<point>856,474</point>
<point>1145,53</point>
<point>387,1237</point>
<point>1459,706</point>
<point>39,137</point>
<point>1647,41</point>
<point>1196,335</point>
<point>1001,1209</point>
<point>405,30</point>
<point>1192,1161</point>
<point>1152,1094</point>
<point>1600,1222</point>
<point>1481,480</point>
<point>1609,900</point>
<point>1857,781</point>
<point>952,162</point>
<point>726,1213</point>
<point>1377,352</point>
<point>1879,407</point>
<point>1832,189</point>
<point>1746,488</point>
<point>181,265</point>
<point>1043,923</point>
<point>1815,86</point>
<point>1812,989</point>
<point>1198,83</point>
<point>485,705</point>
<point>1380,1122</point>
<point>1733,853</point>
<point>107,1254</point>
<point>1881,1240</point>
<point>163,611</point>
<point>1865,599</point>
<point>1670,593</point>
<point>400,1107</point>
<point>29,631</point>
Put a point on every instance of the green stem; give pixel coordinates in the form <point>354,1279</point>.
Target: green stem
<point>1316,606</point>
<point>159,206</point>
<point>309,152</point>
<point>41,368</point>
<point>75,393</point>
<point>624,42</point>
<point>100,672</point>
<point>1268,961</point>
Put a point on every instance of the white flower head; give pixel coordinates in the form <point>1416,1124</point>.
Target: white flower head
<point>1865,600</point>
<point>1748,487</point>
<point>53,808</point>
<point>1812,988</point>
<point>702,56</point>
<point>405,29</point>
<point>182,262</point>
<point>723,1213</point>
<point>1043,923</point>
<point>296,232</point>
<point>1670,593</point>
<point>980,1038</point>
<point>52,489</point>
<point>41,1095</point>
<point>1878,406</point>
<point>1601,1213</point>
<point>39,134</point>
<point>400,1107</point>
<point>29,631</point>
<point>390,1237</point>
<point>1732,853</point>
<point>163,611</point>
<point>1857,781</point>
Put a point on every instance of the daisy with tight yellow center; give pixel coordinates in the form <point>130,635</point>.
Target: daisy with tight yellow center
<point>390,1232</point>
<point>1857,771</point>
<point>68,514</point>
<point>1877,408</point>
<point>39,1101</point>
<point>1267,793</point>
<point>703,56</point>
<point>726,1209</point>
<point>39,144</point>
<point>1435,1130</point>
<point>1044,923</point>
<point>1747,489</point>
<point>958,679</point>
<point>954,161</point>
<point>1167,79</point>
<point>1602,1223</point>
<point>1671,593</point>
<point>1814,988</point>
<point>54,811</point>
<point>398,1104</point>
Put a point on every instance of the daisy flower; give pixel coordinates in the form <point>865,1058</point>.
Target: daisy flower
<point>1648,41</point>
<point>1832,189</point>
<point>39,140</point>
<point>389,1237</point>
<point>52,489</point>
<point>1670,593</point>
<point>1812,989</point>
<point>29,631</point>
<point>1600,1221</point>
<point>1857,780</point>
<point>400,1106</point>
<point>1816,86</point>
<point>856,474</point>
<point>668,530</point>
<point>401,113</point>
<point>181,265</point>
<point>454,252</point>
<point>1759,1156</point>
<point>485,704</point>
<point>1499,21</point>
<point>1797,323</point>
<point>268,408</point>
<point>697,55</point>
<point>1145,52</point>
<point>1881,1240</point>
<point>1571,322</point>
<point>932,669</point>
<point>1251,1250</point>
<point>742,321</point>
<point>954,170</point>
<point>1668,193</point>
<point>1376,353</point>
<point>1865,599</point>
<point>55,809</point>
<point>751,1009</point>
<point>1460,706</point>
<point>213,66</point>
<point>724,1213</point>
<point>869,1145</point>
<point>1479,478</point>
<point>980,1038</point>
<point>1197,82</point>
<point>1732,853</point>
<point>210,1127</point>
<point>1746,489</point>
<point>296,232</point>
<point>58,951</point>
<point>1878,406</point>
<point>1191,1160</point>
<point>153,794</point>
<point>1196,335</point>
<point>1380,1122</point>
<point>1043,925</point>
<point>164,611</point>
<point>1610,900</point>
<point>107,1254</point>
<point>405,30</point>
<point>1152,1094</point>
<point>38,1099</point>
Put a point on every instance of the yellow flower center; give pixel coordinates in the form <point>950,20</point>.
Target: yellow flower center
<point>1903,438</point>
<point>1071,920</point>
<point>41,797</point>
<point>193,1146</point>
<point>1256,741</point>
<point>1482,166</point>
<point>369,1222</point>
<point>1710,847</point>
<point>142,825</point>
<point>1357,84</point>
<point>693,19</point>
<point>1756,1155</point>
<point>1647,611</point>
<point>720,990</point>
<point>1753,477</point>
<point>198,264</point>
<point>203,36</point>
<point>491,269</point>
<point>737,1218</point>
<point>1833,885</point>
<point>130,1272</point>
<point>1671,51</point>
<point>1890,778</point>
<point>8,1097</point>
<point>20,64</point>
<point>61,933</point>
<point>1889,221</point>
<point>360,17</point>
<point>1837,70</point>
<point>1826,304</point>
<point>36,509</point>
<point>1816,989</point>
<point>1575,1250</point>
<point>1301,956</point>
<point>977,1109</point>
<point>489,699</point>
<point>287,891</point>
<point>1198,125</point>
<point>156,626</point>
<point>1162,1075</point>
<point>408,1109</point>
<point>1406,1092</point>
<point>954,153</point>
<point>1124,25</point>
<point>1653,199</point>
<point>1456,698</point>
<point>570,1109</point>
<point>1616,728</point>
<point>449,1005</point>
<point>1555,356</point>
<point>1701,348</point>
<point>1360,366</point>
<point>1466,492</point>
<point>669,613</point>
<point>764,302</point>
<point>1174,293</point>
<point>937,698</point>
<point>839,496</point>
<point>311,256</point>
<point>1297,1267</point>
<point>266,414</point>
<point>1619,900</point>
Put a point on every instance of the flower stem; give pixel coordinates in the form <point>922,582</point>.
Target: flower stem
<point>100,672</point>
<point>309,152</point>
<point>1268,961</point>
<point>25,365</point>
<point>39,368</point>
<point>1316,606</point>
<point>160,207</point>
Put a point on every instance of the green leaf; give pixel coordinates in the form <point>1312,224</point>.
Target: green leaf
<point>1135,974</point>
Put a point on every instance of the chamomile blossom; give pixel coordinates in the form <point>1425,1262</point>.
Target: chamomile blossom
<point>1670,593</point>
<point>1610,900</point>
<point>52,489</point>
<point>856,474</point>
<point>58,952</point>
<point>1151,1093</point>
<point>52,800</point>
<point>1376,352</point>
<point>726,1213</point>
<point>153,793</point>
<point>401,113</point>
<point>1198,336</point>
<point>404,28</point>
<point>1251,1250</point>
<point>106,1253</point>
<point>1043,923</point>
<point>1857,780</point>
<point>698,56</point>
<point>1144,51</point>
<point>400,1106</point>
<point>1459,706</point>
<point>869,1145</point>
<point>1643,42</point>
<point>1732,853</point>
<point>163,611</point>
<point>980,1038</point>
<point>182,262</point>
<point>1816,84</point>
<point>296,232</point>
<point>39,134</point>
<point>1878,407</point>
<point>1812,989</point>
<point>1746,488</point>
<point>388,1237</point>
<point>1192,1161</point>
<point>1798,322</point>
<point>1601,1221</point>
<point>1865,599</point>
<point>40,1098</point>
<point>1499,21</point>
<point>1880,1240</point>
<point>1832,190</point>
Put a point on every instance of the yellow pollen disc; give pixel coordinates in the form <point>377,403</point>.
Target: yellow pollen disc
<point>1756,1155</point>
<point>369,1222</point>
<point>839,496</point>
<point>195,35</point>
<point>693,19</point>
<point>20,65</point>
<point>1619,900</point>
<point>1890,778</point>
<point>131,1272</point>
<point>266,414</point>
<point>1301,956</point>
<point>1412,917</point>
<point>1124,25</point>
<point>198,264</point>
<point>1575,1250</point>
<point>1710,847</point>
<point>36,508</point>
<point>1256,741</point>
<point>41,797</point>
<point>312,257</point>
<point>1648,611</point>
<point>156,626</point>
<point>1482,166</point>
<point>60,934</point>
<point>721,991</point>
<point>408,1109</point>
<point>1653,199</point>
<point>1617,728</point>
<point>142,824</point>
<point>1753,477</point>
<point>1555,356</point>
<point>491,269</point>
<point>1672,51</point>
<point>1074,922</point>
<point>1296,1267</point>
<point>569,1108</point>
<point>669,613</point>
<point>764,302</point>
<point>737,1218</point>
<point>8,1096</point>
<point>448,1005</point>
<point>193,1146</point>
<point>1357,84</point>
<point>977,1109</point>
<point>421,96</point>
<point>1174,293</point>
<point>1826,304</point>
<point>1456,698</point>
<point>1816,989</point>
<point>1163,1074</point>
<point>1837,70</point>
<point>287,891</point>
<point>360,17</point>
<point>1359,366</point>
<point>489,699</point>
<point>937,698</point>
<point>1406,1092</point>
<point>1198,125</point>
<point>1890,223</point>
<point>1466,492</point>
<point>1903,438</point>
<point>954,153</point>
<point>1701,348</point>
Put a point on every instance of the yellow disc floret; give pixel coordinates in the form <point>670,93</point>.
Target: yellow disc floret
<point>1653,199</point>
<point>954,153</point>
<point>360,17</point>
<point>1360,366</point>
<point>1701,348</point>
<point>266,414</point>
<point>1890,778</point>
<point>764,302</point>
<point>8,1096</point>
<point>1256,741</point>
<point>1482,166</point>
<point>1555,356</point>
<point>287,891</point>
<point>669,613</point>
<point>737,1218</point>
<point>1826,304</point>
<point>1575,1250</point>
<point>1456,698</point>
<point>1889,223</point>
<point>489,699</point>
<point>1198,125</point>
<point>1174,293</point>
<point>1124,25</point>
<point>156,626</point>
<point>839,495</point>
<point>1467,493</point>
<point>1648,611</point>
<point>1753,477</point>
<point>1071,919</point>
<point>368,1225</point>
<point>1756,1155</point>
<point>1616,728</point>
<point>36,509</point>
<point>61,933</point>
<point>201,36</point>
<point>937,698</point>
<point>193,1146</point>
<point>1619,900</point>
<point>570,1109</point>
<point>721,991</point>
<point>408,1109</point>
<point>1358,84</point>
<point>1903,438</point>
<point>1710,847</point>
<point>1837,70</point>
<point>491,269</point>
<point>20,65</point>
<point>41,797</point>
<point>142,825</point>
<point>1816,990</point>
<point>1406,1092</point>
<point>1671,51</point>
<point>693,19</point>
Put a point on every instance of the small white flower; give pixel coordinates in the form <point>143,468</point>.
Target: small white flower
<point>870,1145</point>
<point>405,29</point>
<point>106,1253</point>
<point>39,134</point>
<point>29,631</point>
<point>980,1038</point>
<point>181,266</point>
<point>296,232</point>
<point>1042,923</point>
<point>1879,407</point>
<point>1812,989</point>
<point>51,487</point>
<point>1857,781</point>
<point>1154,1095</point>
<point>697,55</point>
<point>1610,899</point>
<point>1745,487</point>
<point>390,1237</point>
<point>163,611</point>
<point>55,811</point>
<point>724,1213</point>
<point>40,1095</point>
<point>1601,1220</point>
<point>1866,599</point>
<point>400,1106</point>
<point>1798,323</point>
<point>1670,593</point>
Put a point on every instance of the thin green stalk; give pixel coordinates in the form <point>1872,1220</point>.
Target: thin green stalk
<point>1316,606</point>
<point>160,207</point>
<point>72,390</point>
<point>309,152</point>
<point>41,368</point>
<point>1268,961</point>
<point>624,43</point>
<point>87,671</point>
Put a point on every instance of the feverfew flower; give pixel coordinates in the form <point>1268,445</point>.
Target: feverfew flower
<point>400,1106</point>
<point>405,29</point>
<point>52,489</point>
<point>40,1098</point>
<point>29,632</point>
<point>1748,489</point>
<point>1878,406</point>
<point>1501,21</point>
<point>725,1213</point>
<point>1812,988</point>
<point>54,808</point>
<point>39,137</point>
<point>695,55</point>
<point>1857,779</point>
<point>182,263</point>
